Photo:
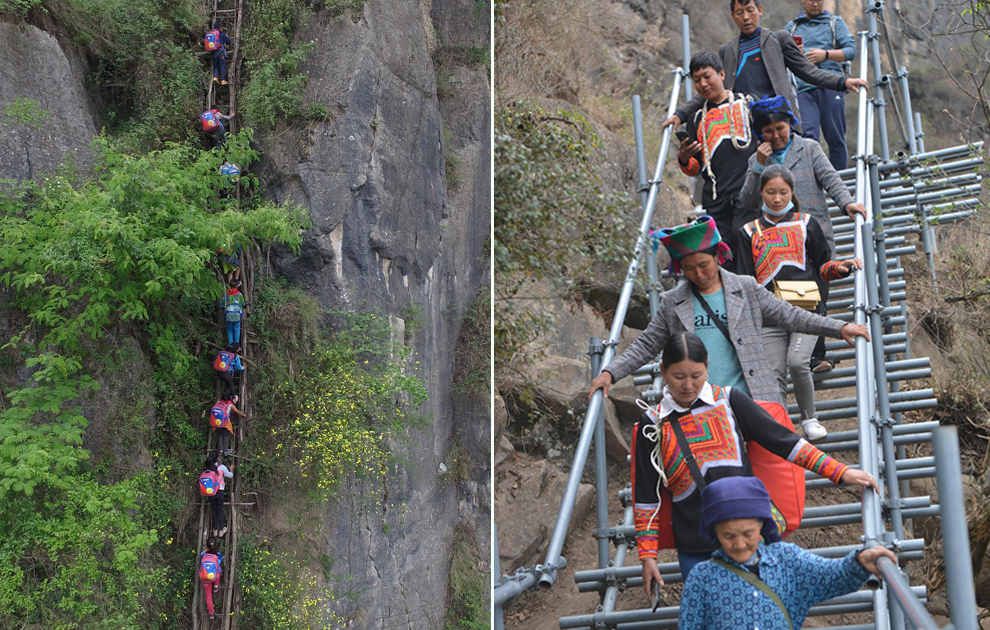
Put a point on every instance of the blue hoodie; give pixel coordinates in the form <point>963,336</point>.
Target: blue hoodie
<point>816,32</point>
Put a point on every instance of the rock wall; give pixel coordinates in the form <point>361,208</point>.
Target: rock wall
<point>34,66</point>
<point>387,233</point>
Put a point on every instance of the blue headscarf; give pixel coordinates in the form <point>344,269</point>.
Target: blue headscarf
<point>737,497</point>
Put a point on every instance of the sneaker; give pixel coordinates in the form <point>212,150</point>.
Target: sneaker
<point>223,532</point>
<point>211,616</point>
<point>216,587</point>
<point>820,365</point>
<point>223,83</point>
<point>813,430</point>
<point>216,79</point>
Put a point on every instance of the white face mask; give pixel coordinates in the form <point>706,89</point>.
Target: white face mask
<point>788,208</point>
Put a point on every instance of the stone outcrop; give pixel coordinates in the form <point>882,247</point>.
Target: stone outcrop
<point>33,66</point>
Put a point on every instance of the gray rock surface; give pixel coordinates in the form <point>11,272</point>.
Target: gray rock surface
<point>33,66</point>
<point>527,497</point>
<point>387,233</point>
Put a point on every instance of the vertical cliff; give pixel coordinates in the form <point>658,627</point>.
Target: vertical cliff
<point>393,226</point>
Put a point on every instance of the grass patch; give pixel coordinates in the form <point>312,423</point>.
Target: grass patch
<point>467,606</point>
<point>473,352</point>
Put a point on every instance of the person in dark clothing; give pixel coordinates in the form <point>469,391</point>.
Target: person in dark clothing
<point>216,500</point>
<point>719,420</point>
<point>213,126</point>
<point>225,364</point>
<point>718,146</point>
<point>757,60</point>
<point>786,244</point>
<point>220,55</point>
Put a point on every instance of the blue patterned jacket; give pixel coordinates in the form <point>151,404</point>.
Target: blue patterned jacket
<point>715,599</point>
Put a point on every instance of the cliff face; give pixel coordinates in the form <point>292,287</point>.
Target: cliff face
<point>391,230</point>
<point>35,67</point>
<point>391,233</point>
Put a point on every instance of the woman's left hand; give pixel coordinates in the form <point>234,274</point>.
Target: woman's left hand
<point>849,332</point>
<point>868,558</point>
<point>855,477</point>
<point>855,208</point>
<point>846,266</point>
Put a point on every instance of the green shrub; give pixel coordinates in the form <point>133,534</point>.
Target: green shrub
<point>278,594</point>
<point>274,92</point>
<point>468,588</point>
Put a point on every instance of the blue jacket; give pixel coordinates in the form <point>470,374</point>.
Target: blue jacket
<point>715,599</point>
<point>817,33</point>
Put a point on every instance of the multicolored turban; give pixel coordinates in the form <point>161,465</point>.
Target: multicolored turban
<point>688,239</point>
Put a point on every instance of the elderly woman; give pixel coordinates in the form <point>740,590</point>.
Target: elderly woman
<point>752,583</point>
<point>727,311</point>
<point>720,421</point>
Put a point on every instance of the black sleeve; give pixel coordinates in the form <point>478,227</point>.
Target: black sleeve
<point>745,266</point>
<point>645,488</point>
<point>686,111</point>
<point>817,250</point>
<point>756,424</point>
<point>804,69</point>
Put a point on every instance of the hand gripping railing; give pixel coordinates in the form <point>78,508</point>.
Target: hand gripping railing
<point>546,574</point>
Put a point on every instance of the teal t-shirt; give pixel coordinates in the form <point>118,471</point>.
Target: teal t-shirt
<point>724,368</point>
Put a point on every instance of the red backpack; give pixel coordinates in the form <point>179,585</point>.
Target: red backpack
<point>212,40</point>
<point>220,414</point>
<point>209,567</point>
<point>209,483</point>
<point>210,121</point>
<point>784,482</point>
<point>223,361</point>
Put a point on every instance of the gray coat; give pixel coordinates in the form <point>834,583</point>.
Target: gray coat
<point>749,307</point>
<point>813,176</point>
<point>780,54</point>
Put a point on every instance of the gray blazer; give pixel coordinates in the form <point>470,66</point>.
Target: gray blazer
<point>813,175</point>
<point>780,54</point>
<point>750,307</point>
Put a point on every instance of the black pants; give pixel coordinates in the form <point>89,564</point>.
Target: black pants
<point>216,503</point>
<point>223,439</point>
<point>228,384</point>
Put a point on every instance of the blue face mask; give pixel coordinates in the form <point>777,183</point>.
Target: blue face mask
<point>790,206</point>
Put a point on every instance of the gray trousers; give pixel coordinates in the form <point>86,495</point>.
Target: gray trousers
<point>790,351</point>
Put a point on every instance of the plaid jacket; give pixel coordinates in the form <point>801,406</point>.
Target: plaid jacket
<point>780,54</point>
<point>749,307</point>
<point>813,174</point>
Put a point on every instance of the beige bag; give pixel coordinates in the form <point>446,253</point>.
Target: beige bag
<point>801,293</point>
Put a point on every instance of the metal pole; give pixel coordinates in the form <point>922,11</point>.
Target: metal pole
<point>881,248</point>
<point>497,579</point>
<point>686,47</point>
<point>651,261</point>
<point>912,140</point>
<point>601,471</point>
<point>548,571</point>
<point>900,591</point>
<point>955,531</point>
<point>919,134</point>
<point>880,80</point>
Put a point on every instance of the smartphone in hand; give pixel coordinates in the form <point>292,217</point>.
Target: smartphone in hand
<point>656,595</point>
<point>798,40</point>
<point>682,135</point>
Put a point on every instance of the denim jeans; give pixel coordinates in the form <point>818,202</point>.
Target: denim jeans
<point>789,351</point>
<point>233,332</point>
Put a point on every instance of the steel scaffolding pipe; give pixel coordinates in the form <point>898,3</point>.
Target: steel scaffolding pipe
<point>912,463</point>
<point>844,509</point>
<point>845,282</point>
<point>913,438</point>
<point>548,571</point>
<point>842,403</point>
<point>920,160</point>
<point>955,531</point>
<point>850,412</point>
<point>904,595</point>
<point>902,475</point>
<point>849,519</point>
<point>900,429</point>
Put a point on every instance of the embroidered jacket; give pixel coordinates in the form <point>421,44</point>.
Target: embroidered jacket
<point>719,423</point>
<point>716,599</point>
<point>793,249</point>
<point>727,142</point>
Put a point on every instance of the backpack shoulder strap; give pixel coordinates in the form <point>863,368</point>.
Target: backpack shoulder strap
<point>758,583</point>
<point>831,23</point>
<point>793,27</point>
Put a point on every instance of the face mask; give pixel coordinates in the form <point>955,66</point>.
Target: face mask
<point>790,206</point>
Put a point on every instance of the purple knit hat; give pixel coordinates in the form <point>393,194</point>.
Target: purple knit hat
<point>737,497</point>
<point>688,239</point>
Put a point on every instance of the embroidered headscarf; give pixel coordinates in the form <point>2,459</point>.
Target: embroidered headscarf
<point>688,239</point>
<point>763,109</point>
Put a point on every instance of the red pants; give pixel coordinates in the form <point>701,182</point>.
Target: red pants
<point>208,587</point>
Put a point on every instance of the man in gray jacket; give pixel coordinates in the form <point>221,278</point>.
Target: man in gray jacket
<point>756,62</point>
